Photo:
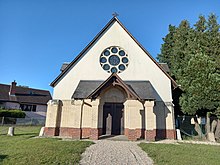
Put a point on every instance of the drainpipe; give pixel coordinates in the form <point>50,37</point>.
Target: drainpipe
<point>81,109</point>
<point>81,115</point>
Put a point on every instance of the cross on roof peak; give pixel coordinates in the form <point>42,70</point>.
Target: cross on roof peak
<point>115,14</point>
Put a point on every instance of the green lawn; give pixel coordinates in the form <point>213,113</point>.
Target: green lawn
<point>182,154</point>
<point>24,149</point>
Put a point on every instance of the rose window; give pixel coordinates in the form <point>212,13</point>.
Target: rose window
<point>114,59</point>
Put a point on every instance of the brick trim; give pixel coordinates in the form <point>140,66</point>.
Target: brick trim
<point>95,133</point>
<point>134,134</point>
<point>150,135</point>
<point>86,132</point>
<point>51,131</point>
<point>158,134</point>
<point>70,132</point>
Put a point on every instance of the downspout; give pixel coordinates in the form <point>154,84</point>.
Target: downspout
<point>81,115</point>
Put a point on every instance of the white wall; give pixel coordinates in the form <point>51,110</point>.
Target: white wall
<point>141,67</point>
<point>11,105</point>
<point>41,108</point>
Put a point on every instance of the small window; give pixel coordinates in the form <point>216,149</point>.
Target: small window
<point>27,107</point>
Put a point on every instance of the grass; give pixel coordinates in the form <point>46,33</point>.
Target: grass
<point>182,154</point>
<point>23,149</point>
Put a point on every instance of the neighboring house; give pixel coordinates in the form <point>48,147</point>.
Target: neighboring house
<point>113,87</point>
<point>32,101</point>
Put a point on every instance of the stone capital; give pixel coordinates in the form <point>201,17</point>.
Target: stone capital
<point>131,103</point>
<point>149,103</point>
<point>54,102</point>
<point>169,104</point>
<point>76,102</point>
<point>95,102</point>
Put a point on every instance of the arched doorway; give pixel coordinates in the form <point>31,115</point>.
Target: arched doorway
<point>113,119</point>
<point>113,111</point>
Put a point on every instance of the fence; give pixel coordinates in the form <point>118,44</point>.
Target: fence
<point>22,121</point>
<point>191,126</point>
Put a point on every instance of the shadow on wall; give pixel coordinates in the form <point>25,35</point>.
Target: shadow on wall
<point>161,112</point>
<point>143,121</point>
<point>58,120</point>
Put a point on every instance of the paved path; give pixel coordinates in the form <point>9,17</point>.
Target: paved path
<point>115,153</point>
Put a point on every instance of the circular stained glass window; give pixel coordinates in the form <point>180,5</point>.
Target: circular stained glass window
<point>125,60</point>
<point>103,60</point>
<point>106,52</point>
<point>114,59</point>
<point>114,70</point>
<point>106,67</point>
<point>121,52</point>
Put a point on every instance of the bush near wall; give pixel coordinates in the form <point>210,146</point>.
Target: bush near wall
<point>12,113</point>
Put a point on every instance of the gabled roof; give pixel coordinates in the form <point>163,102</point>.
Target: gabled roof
<point>24,95</point>
<point>114,19</point>
<point>141,90</point>
<point>114,79</point>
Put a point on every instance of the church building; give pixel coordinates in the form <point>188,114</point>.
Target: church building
<point>113,87</point>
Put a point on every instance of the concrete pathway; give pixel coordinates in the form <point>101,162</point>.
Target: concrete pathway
<point>115,153</point>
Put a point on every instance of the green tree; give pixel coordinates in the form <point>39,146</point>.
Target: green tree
<point>192,53</point>
<point>166,55</point>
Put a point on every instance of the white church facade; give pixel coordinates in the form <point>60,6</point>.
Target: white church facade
<point>113,87</point>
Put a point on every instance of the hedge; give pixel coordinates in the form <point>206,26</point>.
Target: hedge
<point>12,113</point>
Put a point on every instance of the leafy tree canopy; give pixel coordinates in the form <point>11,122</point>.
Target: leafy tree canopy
<point>193,55</point>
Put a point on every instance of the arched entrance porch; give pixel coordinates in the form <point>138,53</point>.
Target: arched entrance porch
<point>112,114</point>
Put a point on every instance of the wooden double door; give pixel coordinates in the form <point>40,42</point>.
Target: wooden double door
<point>113,119</point>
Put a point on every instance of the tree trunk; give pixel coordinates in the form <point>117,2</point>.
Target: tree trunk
<point>217,131</point>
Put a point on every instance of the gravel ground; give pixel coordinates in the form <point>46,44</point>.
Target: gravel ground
<point>115,153</point>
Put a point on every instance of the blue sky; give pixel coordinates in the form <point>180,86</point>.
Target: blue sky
<point>37,36</point>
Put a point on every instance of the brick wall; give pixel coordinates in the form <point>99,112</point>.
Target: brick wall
<point>158,134</point>
<point>86,132</point>
<point>134,134</point>
<point>94,133</point>
<point>51,131</point>
<point>70,132</point>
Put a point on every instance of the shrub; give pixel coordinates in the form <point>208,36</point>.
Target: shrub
<point>12,113</point>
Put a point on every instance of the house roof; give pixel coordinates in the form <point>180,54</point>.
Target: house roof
<point>24,95</point>
<point>165,67</point>
<point>114,19</point>
<point>141,90</point>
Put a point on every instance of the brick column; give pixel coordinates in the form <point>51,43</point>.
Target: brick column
<point>94,133</point>
<point>53,118</point>
<point>150,119</point>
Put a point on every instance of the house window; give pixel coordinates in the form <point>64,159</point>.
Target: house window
<point>28,107</point>
<point>114,59</point>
